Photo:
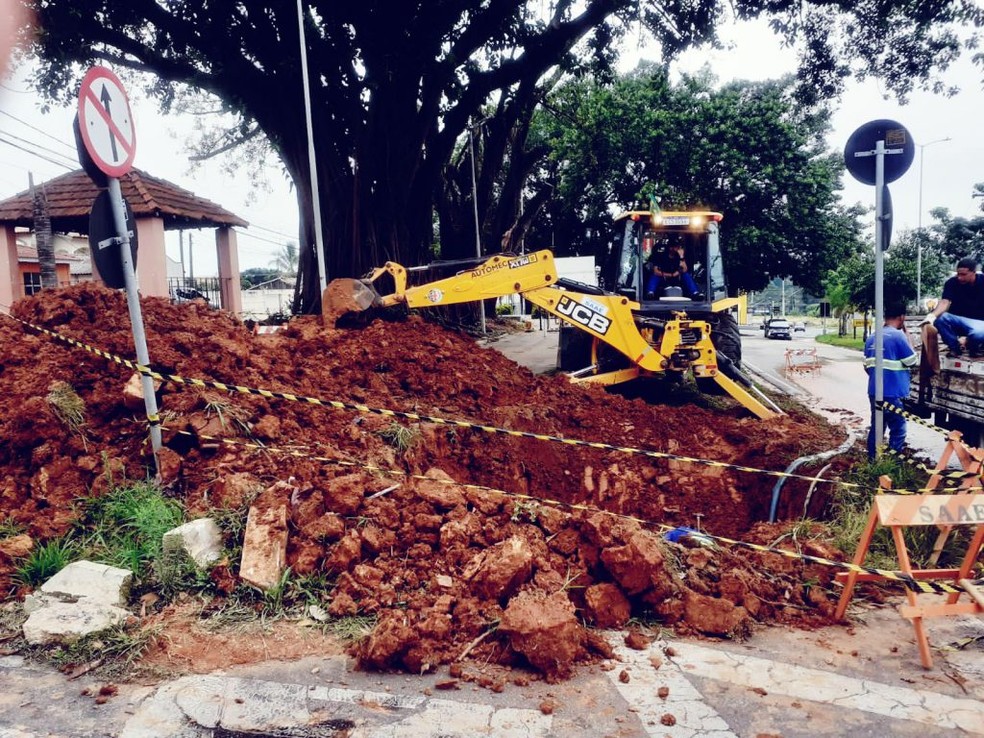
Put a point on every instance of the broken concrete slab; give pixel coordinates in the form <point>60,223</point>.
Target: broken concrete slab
<point>66,622</point>
<point>201,539</point>
<point>106,585</point>
<point>264,547</point>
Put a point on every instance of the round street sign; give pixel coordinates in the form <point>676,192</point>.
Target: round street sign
<point>859,156</point>
<point>106,123</point>
<point>104,242</point>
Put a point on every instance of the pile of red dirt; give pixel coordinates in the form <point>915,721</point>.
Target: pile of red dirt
<point>407,521</point>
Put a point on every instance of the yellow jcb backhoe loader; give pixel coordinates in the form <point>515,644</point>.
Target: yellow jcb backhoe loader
<point>627,340</point>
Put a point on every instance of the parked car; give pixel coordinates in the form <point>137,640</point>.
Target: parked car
<point>799,327</point>
<point>779,328</point>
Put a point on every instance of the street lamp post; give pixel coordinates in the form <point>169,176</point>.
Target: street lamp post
<point>919,232</point>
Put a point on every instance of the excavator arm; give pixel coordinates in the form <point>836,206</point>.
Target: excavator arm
<point>681,344</point>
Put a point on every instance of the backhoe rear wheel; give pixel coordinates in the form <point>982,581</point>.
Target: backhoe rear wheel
<point>726,337</point>
<point>727,340</point>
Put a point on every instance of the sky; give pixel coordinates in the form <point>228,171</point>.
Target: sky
<point>949,168</point>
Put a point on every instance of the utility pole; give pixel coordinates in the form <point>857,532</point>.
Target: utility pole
<point>919,230</point>
<point>478,230</point>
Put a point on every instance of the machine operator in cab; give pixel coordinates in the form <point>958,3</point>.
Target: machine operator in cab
<point>669,269</point>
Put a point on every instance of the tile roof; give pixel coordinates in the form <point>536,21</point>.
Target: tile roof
<point>30,254</point>
<point>71,195</point>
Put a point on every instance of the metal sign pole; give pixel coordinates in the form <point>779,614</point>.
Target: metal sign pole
<point>136,317</point>
<point>879,292</point>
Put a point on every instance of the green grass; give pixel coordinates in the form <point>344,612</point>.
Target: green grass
<point>9,529</point>
<point>832,339</point>
<point>46,561</point>
<point>124,527</point>
<point>351,629</point>
<point>116,649</point>
<point>852,507</point>
<point>400,437</point>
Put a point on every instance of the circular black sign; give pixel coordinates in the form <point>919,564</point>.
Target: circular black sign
<point>104,246</point>
<point>900,150</point>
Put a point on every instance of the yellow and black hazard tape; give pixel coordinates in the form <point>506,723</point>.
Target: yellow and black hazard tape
<point>916,585</point>
<point>916,419</point>
<point>952,475</point>
<point>947,476</point>
<point>386,412</point>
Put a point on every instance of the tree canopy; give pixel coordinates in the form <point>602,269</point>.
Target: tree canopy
<point>395,85</point>
<point>744,149</point>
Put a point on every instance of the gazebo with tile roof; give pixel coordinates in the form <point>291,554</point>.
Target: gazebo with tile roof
<point>158,205</point>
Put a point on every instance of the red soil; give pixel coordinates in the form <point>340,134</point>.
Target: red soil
<point>440,563</point>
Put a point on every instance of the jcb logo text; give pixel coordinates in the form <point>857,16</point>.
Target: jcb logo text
<point>583,315</point>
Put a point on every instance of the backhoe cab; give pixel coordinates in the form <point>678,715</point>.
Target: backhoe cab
<point>643,242</point>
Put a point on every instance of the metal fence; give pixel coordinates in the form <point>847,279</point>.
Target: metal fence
<point>201,288</point>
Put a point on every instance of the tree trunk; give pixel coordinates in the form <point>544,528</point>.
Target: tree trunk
<point>43,238</point>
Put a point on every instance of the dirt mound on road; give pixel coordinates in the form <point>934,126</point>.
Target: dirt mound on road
<point>403,515</point>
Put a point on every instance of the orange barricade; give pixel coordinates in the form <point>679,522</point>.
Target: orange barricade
<point>802,361</point>
<point>898,512</point>
<point>971,461</point>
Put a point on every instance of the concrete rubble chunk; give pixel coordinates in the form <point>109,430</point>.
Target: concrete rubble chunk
<point>66,622</point>
<point>201,539</point>
<point>98,583</point>
<point>264,547</point>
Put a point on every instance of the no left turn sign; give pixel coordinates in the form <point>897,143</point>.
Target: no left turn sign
<point>106,123</point>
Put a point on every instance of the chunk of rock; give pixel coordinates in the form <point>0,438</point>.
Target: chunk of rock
<point>99,583</point>
<point>544,630</point>
<point>439,490</point>
<point>639,565</point>
<point>606,606</point>
<point>133,396</point>
<point>66,622</point>
<point>389,640</point>
<point>716,616</point>
<point>264,547</point>
<point>498,571</point>
<point>16,547</point>
<point>201,539</point>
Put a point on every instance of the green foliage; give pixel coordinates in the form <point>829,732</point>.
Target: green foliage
<point>504,309</point>
<point>286,260</point>
<point>255,276</point>
<point>117,649</point>
<point>851,286</point>
<point>351,629</point>
<point>743,148</point>
<point>851,508</point>
<point>46,561</point>
<point>525,510</point>
<point>832,339</point>
<point>125,527</point>
<point>9,528</point>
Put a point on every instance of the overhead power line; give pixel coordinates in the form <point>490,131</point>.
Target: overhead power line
<point>37,146</point>
<point>35,153</point>
<point>35,128</point>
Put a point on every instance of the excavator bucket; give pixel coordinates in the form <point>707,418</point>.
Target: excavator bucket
<point>344,296</point>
